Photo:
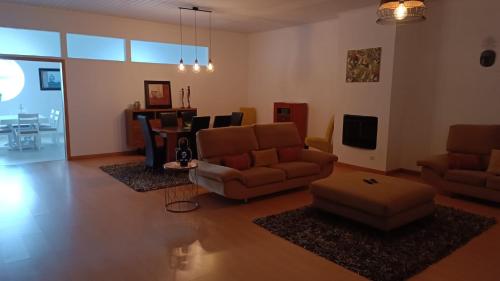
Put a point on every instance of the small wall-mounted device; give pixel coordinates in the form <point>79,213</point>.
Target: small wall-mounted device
<point>488,58</point>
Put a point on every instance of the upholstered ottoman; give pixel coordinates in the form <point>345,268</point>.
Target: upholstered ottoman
<point>387,204</point>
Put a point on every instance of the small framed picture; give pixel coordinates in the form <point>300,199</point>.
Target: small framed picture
<point>50,79</point>
<point>157,94</point>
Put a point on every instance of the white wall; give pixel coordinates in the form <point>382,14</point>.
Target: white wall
<point>438,80</point>
<point>308,64</point>
<point>99,91</point>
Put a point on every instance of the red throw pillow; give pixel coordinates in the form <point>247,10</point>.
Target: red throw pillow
<point>289,154</point>
<point>238,162</point>
<point>462,161</point>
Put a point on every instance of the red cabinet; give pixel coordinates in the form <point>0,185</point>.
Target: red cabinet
<point>292,112</point>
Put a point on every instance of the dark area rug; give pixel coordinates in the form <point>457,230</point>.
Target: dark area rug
<point>377,255</point>
<point>138,178</point>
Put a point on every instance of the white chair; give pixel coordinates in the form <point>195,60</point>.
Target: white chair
<point>27,128</point>
<point>6,130</point>
<point>50,121</point>
<point>52,127</point>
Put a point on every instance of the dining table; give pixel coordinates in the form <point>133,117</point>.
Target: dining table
<point>170,137</point>
<point>12,119</point>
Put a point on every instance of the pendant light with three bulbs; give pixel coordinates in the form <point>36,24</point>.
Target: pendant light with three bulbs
<point>196,65</point>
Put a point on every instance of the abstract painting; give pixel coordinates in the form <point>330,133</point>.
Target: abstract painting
<point>363,65</point>
<point>157,94</point>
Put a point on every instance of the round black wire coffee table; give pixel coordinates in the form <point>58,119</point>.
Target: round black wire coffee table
<point>181,199</point>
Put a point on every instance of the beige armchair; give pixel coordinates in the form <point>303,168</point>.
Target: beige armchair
<point>476,140</point>
<point>324,144</point>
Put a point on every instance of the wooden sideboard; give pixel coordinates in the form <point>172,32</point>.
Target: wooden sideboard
<point>292,112</point>
<point>134,133</point>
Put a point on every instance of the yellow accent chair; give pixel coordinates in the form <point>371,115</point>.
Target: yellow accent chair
<point>249,116</point>
<point>324,144</point>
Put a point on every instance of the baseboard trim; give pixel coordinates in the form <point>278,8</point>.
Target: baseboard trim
<point>369,170</point>
<point>406,171</point>
<point>102,155</point>
<point>359,168</point>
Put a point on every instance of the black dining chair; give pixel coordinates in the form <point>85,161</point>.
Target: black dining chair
<point>222,121</point>
<point>199,123</point>
<point>155,156</point>
<point>187,118</point>
<point>168,120</point>
<point>236,118</point>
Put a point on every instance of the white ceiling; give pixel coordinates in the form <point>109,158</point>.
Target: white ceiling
<point>233,15</point>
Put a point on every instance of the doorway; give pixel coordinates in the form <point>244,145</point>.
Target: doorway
<point>32,111</point>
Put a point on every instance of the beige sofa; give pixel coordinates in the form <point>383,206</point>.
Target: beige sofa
<point>466,139</point>
<point>214,144</point>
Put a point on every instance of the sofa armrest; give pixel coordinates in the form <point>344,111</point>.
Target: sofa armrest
<point>218,172</point>
<point>438,163</point>
<point>318,157</point>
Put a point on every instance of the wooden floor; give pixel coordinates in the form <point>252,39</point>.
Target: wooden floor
<point>70,221</point>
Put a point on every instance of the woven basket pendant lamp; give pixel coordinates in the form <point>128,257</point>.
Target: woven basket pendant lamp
<point>400,11</point>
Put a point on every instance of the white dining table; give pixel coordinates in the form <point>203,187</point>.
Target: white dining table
<point>12,119</point>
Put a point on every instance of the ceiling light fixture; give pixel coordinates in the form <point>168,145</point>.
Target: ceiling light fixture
<point>196,65</point>
<point>401,11</point>
<point>181,66</point>
<point>210,66</point>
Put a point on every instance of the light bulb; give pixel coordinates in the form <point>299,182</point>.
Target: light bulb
<point>196,67</point>
<point>401,12</point>
<point>181,66</point>
<point>210,66</point>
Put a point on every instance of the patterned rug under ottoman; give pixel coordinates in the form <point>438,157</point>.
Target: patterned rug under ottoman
<point>139,179</point>
<point>380,256</point>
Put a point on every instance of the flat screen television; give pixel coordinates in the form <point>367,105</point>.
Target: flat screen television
<point>360,131</point>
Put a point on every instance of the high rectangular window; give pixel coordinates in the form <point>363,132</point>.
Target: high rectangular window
<point>165,53</point>
<point>95,47</point>
<point>28,42</point>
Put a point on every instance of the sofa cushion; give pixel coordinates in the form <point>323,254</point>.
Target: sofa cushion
<point>290,154</point>
<point>493,182</point>
<point>473,139</point>
<point>277,135</point>
<point>298,169</point>
<point>476,178</point>
<point>266,157</point>
<point>258,176</point>
<point>494,166</point>
<point>461,161</point>
<point>238,162</point>
<point>220,142</point>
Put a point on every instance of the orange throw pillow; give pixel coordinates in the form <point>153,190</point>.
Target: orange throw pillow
<point>239,162</point>
<point>460,161</point>
<point>266,157</point>
<point>289,154</point>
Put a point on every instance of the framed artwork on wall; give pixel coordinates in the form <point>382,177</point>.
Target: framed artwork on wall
<point>50,79</point>
<point>363,65</point>
<point>157,94</point>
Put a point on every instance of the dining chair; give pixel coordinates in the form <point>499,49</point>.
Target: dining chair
<point>249,115</point>
<point>199,123</point>
<point>168,120</point>
<point>222,121</point>
<point>236,118</point>
<point>187,118</point>
<point>50,121</point>
<point>27,127</point>
<point>155,156</point>
<point>325,143</point>
<point>51,128</point>
<point>6,130</point>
